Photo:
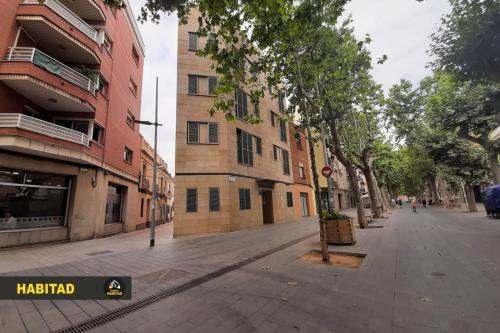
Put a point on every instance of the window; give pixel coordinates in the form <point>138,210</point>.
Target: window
<point>195,130</point>
<point>130,120</point>
<point>245,198</point>
<point>193,41</point>
<point>97,133</point>
<point>212,84</point>
<point>133,87</point>
<point>283,130</point>
<point>258,145</point>
<point>127,155</point>
<point>135,55</point>
<point>299,143</point>
<point>191,200</point>
<point>302,172</point>
<point>241,104</point>
<point>256,109</point>
<point>142,207</point>
<point>32,200</point>
<point>289,199</point>
<point>77,125</point>
<point>193,84</point>
<point>286,165</point>
<point>193,135</point>
<point>276,152</point>
<point>281,101</point>
<point>102,85</point>
<point>273,119</point>
<point>108,44</point>
<point>245,151</point>
<point>213,133</point>
<point>213,198</point>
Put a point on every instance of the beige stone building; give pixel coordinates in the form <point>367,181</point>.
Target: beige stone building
<point>229,175</point>
<point>164,188</point>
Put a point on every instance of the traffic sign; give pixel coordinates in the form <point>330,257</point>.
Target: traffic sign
<point>326,171</point>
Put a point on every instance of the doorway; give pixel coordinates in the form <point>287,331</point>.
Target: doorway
<point>340,201</point>
<point>114,204</point>
<point>267,206</point>
<point>148,210</point>
<point>304,204</point>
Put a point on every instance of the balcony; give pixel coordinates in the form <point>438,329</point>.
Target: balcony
<point>31,73</point>
<point>69,16</point>
<point>21,121</point>
<point>60,30</point>
<point>86,9</point>
<point>144,185</point>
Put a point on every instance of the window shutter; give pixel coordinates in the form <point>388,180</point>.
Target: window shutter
<point>247,199</point>
<point>214,202</point>
<point>273,120</point>
<point>283,130</point>
<point>242,198</point>
<point>239,145</point>
<point>275,152</point>
<point>286,166</point>
<point>213,133</point>
<point>212,84</point>
<point>193,132</point>
<point>193,84</point>
<point>249,149</point>
<point>191,200</point>
<point>193,41</point>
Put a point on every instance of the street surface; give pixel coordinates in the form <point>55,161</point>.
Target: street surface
<point>434,271</point>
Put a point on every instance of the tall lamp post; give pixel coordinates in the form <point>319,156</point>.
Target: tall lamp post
<point>153,199</point>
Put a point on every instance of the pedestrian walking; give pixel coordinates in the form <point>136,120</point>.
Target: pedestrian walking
<point>424,202</point>
<point>414,205</point>
<point>430,202</point>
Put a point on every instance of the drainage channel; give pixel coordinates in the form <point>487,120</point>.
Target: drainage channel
<point>121,312</point>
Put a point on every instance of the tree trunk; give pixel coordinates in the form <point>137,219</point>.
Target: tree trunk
<point>385,196</point>
<point>434,191</point>
<point>381,197</point>
<point>337,150</point>
<point>372,190</point>
<point>363,223</point>
<point>494,166</point>
<point>471,199</point>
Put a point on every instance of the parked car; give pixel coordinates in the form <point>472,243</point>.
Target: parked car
<point>491,199</point>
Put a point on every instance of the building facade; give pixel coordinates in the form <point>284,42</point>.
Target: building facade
<point>70,90</point>
<point>229,175</point>
<point>164,188</point>
<point>342,194</point>
<point>303,192</point>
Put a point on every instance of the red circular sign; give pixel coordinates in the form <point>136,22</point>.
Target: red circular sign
<point>326,171</point>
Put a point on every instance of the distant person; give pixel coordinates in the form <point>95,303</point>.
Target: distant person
<point>400,202</point>
<point>393,203</point>
<point>430,202</point>
<point>424,202</point>
<point>414,205</point>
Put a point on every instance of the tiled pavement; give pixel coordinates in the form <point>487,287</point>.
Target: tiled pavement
<point>435,271</point>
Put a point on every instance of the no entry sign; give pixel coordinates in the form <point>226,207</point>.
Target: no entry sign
<point>326,171</point>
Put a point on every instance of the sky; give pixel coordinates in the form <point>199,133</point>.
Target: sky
<point>400,29</point>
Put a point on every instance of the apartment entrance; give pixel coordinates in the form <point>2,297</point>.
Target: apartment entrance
<point>304,204</point>
<point>267,206</point>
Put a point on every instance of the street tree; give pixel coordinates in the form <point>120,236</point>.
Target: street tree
<point>467,43</point>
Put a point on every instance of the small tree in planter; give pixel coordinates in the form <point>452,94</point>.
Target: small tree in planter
<point>339,228</point>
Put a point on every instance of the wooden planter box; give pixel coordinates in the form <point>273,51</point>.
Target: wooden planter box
<point>340,232</point>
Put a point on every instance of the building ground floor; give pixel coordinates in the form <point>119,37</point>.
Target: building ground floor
<point>342,198</point>
<point>303,200</point>
<point>44,200</point>
<point>164,211</point>
<point>223,203</point>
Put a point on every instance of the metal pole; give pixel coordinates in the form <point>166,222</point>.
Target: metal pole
<point>153,206</point>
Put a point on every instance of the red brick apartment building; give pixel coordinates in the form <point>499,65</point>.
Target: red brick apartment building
<point>70,90</point>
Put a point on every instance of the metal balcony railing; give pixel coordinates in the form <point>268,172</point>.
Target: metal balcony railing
<point>68,15</point>
<point>37,57</point>
<point>42,127</point>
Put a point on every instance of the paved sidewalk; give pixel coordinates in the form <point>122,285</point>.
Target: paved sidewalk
<point>171,263</point>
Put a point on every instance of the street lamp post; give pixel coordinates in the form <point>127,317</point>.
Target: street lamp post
<point>153,199</point>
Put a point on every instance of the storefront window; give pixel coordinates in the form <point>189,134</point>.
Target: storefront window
<point>32,200</point>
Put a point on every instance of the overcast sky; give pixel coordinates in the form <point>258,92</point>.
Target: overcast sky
<point>398,28</point>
